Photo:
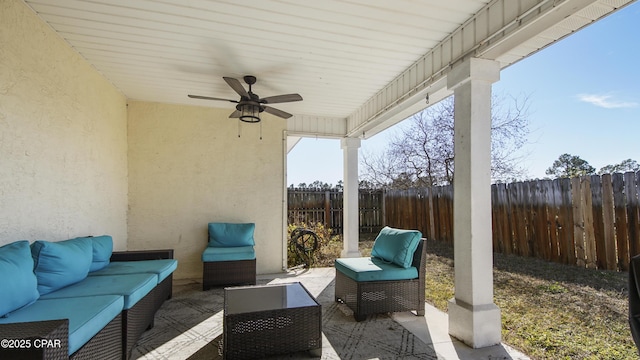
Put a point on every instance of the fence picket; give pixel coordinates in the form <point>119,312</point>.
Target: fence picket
<point>633,209</point>
<point>620,218</point>
<point>598,222</point>
<point>592,221</point>
<point>608,224</point>
<point>553,203</point>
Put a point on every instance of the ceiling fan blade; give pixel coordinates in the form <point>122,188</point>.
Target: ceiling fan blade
<point>281,98</point>
<point>235,114</point>
<point>210,98</point>
<point>276,112</point>
<point>236,86</point>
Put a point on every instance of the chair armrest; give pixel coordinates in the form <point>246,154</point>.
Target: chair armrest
<point>142,255</point>
<point>35,340</point>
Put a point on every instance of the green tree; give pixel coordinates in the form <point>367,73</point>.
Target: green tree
<point>568,166</point>
<point>624,166</point>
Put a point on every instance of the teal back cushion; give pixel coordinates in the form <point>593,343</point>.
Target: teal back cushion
<point>62,263</point>
<point>19,285</point>
<point>230,235</point>
<point>396,246</point>
<point>102,248</point>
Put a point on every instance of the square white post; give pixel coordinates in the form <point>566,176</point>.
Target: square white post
<point>473,317</point>
<point>351,213</point>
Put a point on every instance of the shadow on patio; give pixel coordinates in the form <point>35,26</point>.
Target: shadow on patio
<point>189,326</point>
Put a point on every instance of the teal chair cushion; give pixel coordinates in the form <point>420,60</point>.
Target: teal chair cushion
<point>161,267</point>
<point>374,269</point>
<point>19,283</point>
<point>396,246</point>
<point>214,254</point>
<point>229,234</point>
<point>62,263</point>
<point>102,250</point>
<point>87,315</point>
<point>133,287</point>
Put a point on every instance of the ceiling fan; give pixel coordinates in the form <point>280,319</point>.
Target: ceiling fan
<point>250,105</point>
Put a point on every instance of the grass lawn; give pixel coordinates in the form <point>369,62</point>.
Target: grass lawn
<point>549,311</point>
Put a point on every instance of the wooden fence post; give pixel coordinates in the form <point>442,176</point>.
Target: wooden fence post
<point>553,203</point>
<point>608,223</point>
<point>587,213</point>
<point>578,221</point>
<point>633,217</point>
<point>620,216</point>
<point>598,223</point>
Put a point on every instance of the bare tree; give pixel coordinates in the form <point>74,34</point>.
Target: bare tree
<point>422,153</point>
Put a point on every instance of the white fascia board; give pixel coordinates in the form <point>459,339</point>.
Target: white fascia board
<point>316,126</point>
<point>491,33</point>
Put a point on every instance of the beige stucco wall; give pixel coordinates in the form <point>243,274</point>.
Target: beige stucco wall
<point>188,167</point>
<point>63,148</point>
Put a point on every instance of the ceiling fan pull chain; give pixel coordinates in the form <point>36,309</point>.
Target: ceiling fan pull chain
<point>239,124</point>
<point>261,130</point>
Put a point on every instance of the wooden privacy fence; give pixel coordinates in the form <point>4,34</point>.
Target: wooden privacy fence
<point>325,206</point>
<point>590,221</point>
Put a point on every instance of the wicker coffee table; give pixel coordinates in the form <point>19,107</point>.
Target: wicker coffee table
<point>270,319</point>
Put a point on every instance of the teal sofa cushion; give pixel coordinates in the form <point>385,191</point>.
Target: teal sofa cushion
<point>19,283</point>
<point>102,247</point>
<point>58,264</point>
<point>229,234</point>
<point>213,254</point>
<point>132,287</point>
<point>161,267</point>
<point>374,269</point>
<point>396,245</point>
<point>87,315</point>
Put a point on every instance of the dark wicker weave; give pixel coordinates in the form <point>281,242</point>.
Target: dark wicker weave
<point>136,320</point>
<point>374,297</point>
<point>255,335</point>
<point>107,344</point>
<point>136,255</point>
<point>29,332</point>
<point>140,317</point>
<point>163,291</point>
<point>223,273</point>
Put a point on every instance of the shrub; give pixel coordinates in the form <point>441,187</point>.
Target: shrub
<point>328,246</point>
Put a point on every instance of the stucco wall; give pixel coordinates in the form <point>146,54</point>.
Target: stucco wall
<point>188,167</point>
<point>63,148</point>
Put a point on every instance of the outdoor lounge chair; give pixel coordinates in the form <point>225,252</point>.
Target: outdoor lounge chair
<point>392,280</point>
<point>229,258</point>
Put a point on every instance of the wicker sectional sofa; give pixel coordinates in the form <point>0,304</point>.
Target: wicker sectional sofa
<point>77,299</point>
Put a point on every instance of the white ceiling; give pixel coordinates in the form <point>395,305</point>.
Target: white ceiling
<point>339,55</point>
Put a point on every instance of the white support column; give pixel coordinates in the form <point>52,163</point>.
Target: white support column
<point>473,317</point>
<point>351,213</point>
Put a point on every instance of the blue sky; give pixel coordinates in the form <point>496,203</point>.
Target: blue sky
<point>584,99</point>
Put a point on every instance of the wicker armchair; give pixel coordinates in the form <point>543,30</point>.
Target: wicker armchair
<point>229,258</point>
<point>370,296</point>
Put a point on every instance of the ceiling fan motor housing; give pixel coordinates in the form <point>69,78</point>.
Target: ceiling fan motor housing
<point>249,110</point>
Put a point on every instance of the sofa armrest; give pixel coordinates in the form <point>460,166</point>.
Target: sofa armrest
<point>35,340</point>
<point>142,255</point>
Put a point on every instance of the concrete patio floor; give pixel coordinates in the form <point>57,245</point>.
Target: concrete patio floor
<point>432,328</point>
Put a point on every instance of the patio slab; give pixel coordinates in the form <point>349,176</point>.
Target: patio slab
<point>181,340</point>
<point>432,328</point>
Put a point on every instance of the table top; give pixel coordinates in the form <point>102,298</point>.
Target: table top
<point>244,299</point>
